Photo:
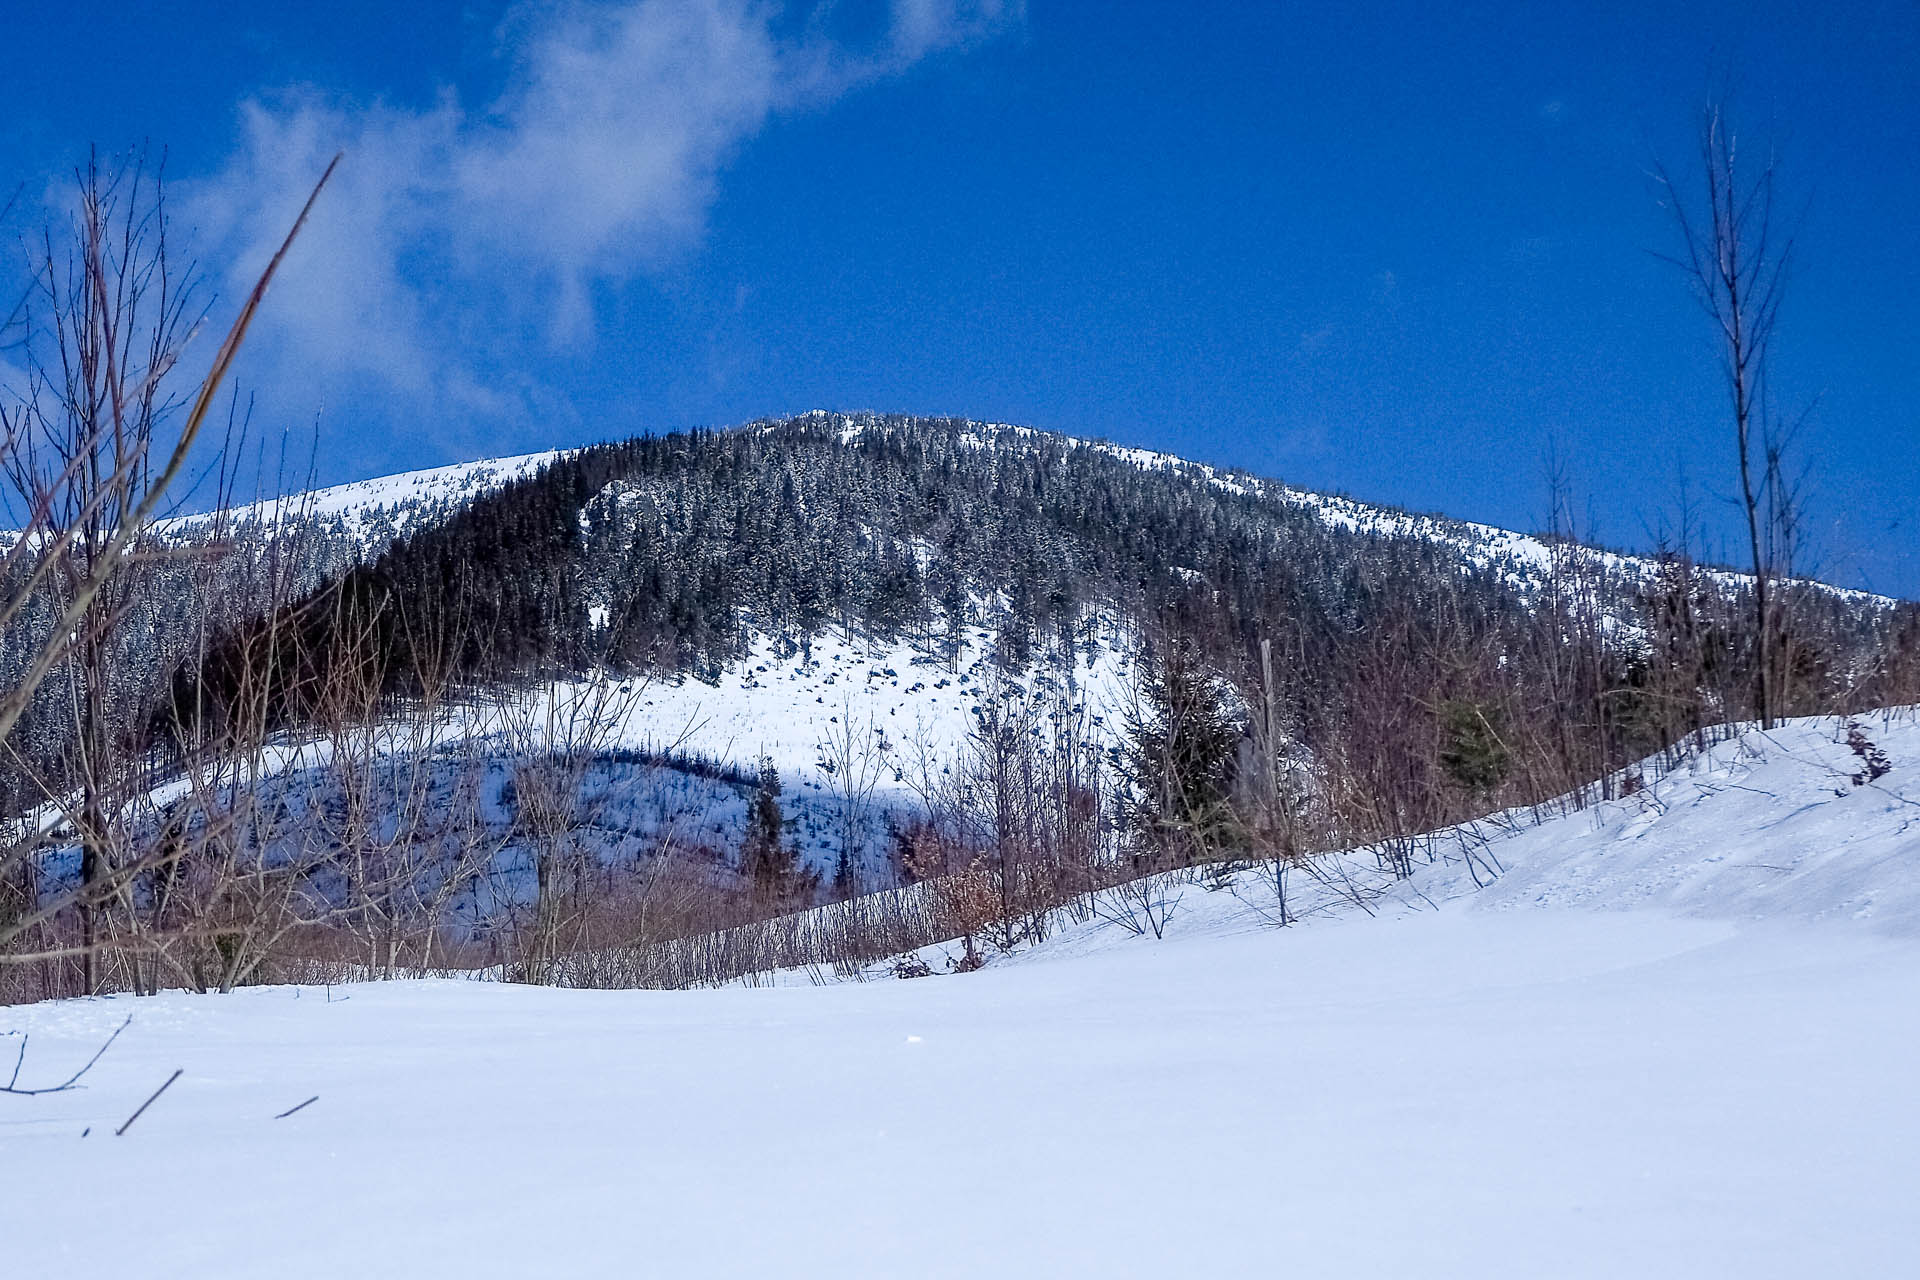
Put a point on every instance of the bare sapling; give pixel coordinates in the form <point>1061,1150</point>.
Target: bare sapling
<point>1736,253</point>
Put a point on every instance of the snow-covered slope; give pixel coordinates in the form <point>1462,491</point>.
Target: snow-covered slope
<point>369,511</point>
<point>905,712</point>
<point>1768,826</point>
<point>383,507</point>
<point>1789,824</point>
<point>857,729</point>
<point>1555,1075</point>
<point>787,707</point>
<point>849,723</point>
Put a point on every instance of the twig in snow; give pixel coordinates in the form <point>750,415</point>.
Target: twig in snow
<point>149,1102</point>
<point>13,1088</point>
<point>303,1106</point>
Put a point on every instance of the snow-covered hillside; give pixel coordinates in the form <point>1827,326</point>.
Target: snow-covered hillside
<point>390,506</point>
<point>370,513</point>
<point>1620,1058</point>
<point>786,707</point>
<point>1783,825</point>
<point>1770,825</point>
<point>858,729</point>
<point>899,710</point>
<point>1525,560</point>
<point>385,507</point>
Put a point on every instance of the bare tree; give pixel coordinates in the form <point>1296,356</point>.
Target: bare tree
<point>397,804</point>
<point>1736,255</point>
<point>852,758</point>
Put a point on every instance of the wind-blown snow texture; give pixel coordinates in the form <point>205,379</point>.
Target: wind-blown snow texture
<point>1495,1085</point>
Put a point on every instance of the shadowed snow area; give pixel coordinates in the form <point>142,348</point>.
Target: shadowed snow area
<point>1674,1038</point>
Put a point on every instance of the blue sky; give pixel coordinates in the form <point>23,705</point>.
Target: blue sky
<point>1399,250</point>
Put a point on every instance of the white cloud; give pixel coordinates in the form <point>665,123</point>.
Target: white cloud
<point>599,160</point>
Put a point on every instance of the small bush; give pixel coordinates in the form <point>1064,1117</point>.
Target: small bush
<point>1874,761</point>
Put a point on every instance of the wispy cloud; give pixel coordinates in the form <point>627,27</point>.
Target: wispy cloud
<point>452,225</point>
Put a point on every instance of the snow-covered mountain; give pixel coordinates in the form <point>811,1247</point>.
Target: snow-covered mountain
<point>382,508</point>
<point>764,573</point>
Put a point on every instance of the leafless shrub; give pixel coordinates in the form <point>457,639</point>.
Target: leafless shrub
<point>554,735</point>
<point>82,450</point>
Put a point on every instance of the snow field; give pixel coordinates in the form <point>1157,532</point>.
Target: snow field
<point>1620,1058</point>
<point>1516,1094</point>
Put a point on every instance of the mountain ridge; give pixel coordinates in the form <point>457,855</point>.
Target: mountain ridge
<point>400,497</point>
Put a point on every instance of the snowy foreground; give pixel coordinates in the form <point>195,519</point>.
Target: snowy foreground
<point>1612,1062</point>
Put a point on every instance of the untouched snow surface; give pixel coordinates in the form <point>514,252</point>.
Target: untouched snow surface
<point>1561,1075</point>
<point>1541,1093</point>
<point>1766,827</point>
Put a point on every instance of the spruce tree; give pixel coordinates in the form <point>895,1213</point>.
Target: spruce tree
<point>1182,739</point>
